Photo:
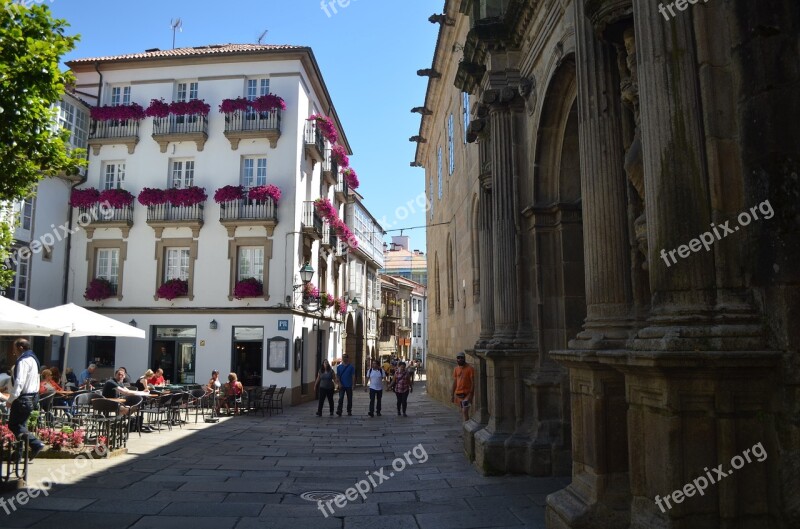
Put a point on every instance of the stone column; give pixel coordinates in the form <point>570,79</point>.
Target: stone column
<point>504,239</point>
<point>486,272</point>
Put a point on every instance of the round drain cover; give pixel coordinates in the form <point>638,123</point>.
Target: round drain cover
<point>321,495</point>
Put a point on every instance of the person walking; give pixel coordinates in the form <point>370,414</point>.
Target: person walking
<point>402,387</point>
<point>463,384</point>
<point>24,395</point>
<point>376,375</point>
<point>345,372</point>
<point>325,383</point>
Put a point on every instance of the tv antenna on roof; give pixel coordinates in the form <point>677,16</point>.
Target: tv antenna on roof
<point>261,37</point>
<point>177,25</point>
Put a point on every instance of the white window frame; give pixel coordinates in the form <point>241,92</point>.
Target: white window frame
<point>18,289</point>
<point>76,121</point>
<point>176,263</point>
<point>181,172</point>
<point>114,175</point>
<point>120,95</point>
<point>256,87</point>
<point>254,172</point>
<point>107,265</point>
<point>186,90</point>
<point>250,262</point>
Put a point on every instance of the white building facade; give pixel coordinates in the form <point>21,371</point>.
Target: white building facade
<point>210,249</point>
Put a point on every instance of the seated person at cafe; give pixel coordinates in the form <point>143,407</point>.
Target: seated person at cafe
<point>143,383</point>
<point>72,379</point>
<point>213,384</point>
<point>233,394</point>
<point>86,375</point>
<point>49,385</point>
<point>6,385</point>
<point>114,387</point>
<point>158,378</point>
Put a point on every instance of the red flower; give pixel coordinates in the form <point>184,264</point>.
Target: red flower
<point>99,289</point>
<point>152,197</point>
<point>248,288</point>
<point>195,106</point>
<point>228,193</point>
<point>268,103</point>
<point>158,109</point>
<point>116,198</point>
<point>232,105</point>
<point>173,288</point>
<point>120,112</point>
<point>189,196</point>
<point>84,198</point>
<point>265,192</point>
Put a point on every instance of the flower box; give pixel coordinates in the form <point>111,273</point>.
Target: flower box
<point>326,127</point>
<point>228,194</point>
<point>84,198</point>
<point>310,291</point>
<point>152,197</point>
<point>99,289</point>
<point>268,103</point>
<point>120,112</point>
<point>248,288</point>
<point>188,196</point>
<point>116,198</point>
<point>339,156</point>
<point>173,288</point>
<point>232,105</point>
<point>262,193</point>
<point>326,209</point>
<point>193,107</point>
<point>158,109</point>
<point>351,178</point>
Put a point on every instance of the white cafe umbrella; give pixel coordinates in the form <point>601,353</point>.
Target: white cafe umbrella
<point>17,319</point>
<point>77,321</point>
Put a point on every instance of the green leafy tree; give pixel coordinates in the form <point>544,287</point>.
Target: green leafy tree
<point>32,43</point>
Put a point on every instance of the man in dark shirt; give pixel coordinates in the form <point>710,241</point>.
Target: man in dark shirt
<point>114,387</point>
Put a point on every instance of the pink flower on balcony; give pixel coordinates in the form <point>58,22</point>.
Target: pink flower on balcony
<point>326,127</point>
<point>339,156</point>
<point>311,291</point>
<point>99,289</point>
<point>268,103</point>
<point>341,305</point>
<point>194,106</point>
<point>351,178</point>
<point>120,112</point>
<point>228,194</point>
<point>248,288</point>
<point>325,209</point>
<point>116,198</point>
<point>325,300</point>
<point>173,288</point>
<point>158,109</point>
<point>232,105</point>
<point>262,193</point>
<point>84,198</point>
<point>187,196</point>
<point>152,197</point>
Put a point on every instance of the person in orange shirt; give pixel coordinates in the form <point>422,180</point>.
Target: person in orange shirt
<point>463,384</point>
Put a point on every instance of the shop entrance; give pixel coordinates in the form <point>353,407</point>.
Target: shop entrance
<point>248,354</point>
<point>174,351</point>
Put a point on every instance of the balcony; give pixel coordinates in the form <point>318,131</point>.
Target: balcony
<point>330,169</point>
<point>312,222</point>
<point>328,239</point>
<point>249,125</point>
<point>246,212</point>
<point>341,191</point>
<point>314,142</point>
<point>162,216</point>
<point>340,249</point>
<point>114,132</point>
<point>121,218</point>
<point>172,128</point>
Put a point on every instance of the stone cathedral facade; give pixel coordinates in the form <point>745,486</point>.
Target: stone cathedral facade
<point>614,241</point>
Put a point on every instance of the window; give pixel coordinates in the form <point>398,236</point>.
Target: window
<point>251,262</point>
<point>181,173</point>
<point>451,161</point>
<point>114,175</point>
<point>254,172</point>
<point>439,170</point>
<point>257,88</point>
<point>24,208</point>
<point>356,284</point>
<point>186,91</point>
<point>107,265</point>
<point>465,107</point>
<point>120,95</point>
<point>75,121</point>
<point>177,264</point>
<point>20,263</point>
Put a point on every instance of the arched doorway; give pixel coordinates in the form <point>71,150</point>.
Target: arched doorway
<point>359,349</point>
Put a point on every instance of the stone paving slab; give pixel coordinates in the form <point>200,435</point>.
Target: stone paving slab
<point>250,472</point>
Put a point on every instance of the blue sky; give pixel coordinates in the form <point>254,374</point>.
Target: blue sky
<point>369,53</point>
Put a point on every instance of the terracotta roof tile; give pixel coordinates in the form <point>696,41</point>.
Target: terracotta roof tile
<point>195,51</point>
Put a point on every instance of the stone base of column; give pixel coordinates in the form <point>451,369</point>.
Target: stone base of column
<point>470,428</point>
<point>579,506</point>
<point>497,454</point>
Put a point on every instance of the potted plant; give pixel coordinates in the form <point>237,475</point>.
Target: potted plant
<point>248,288</point>
<point>192,107</point>
<point>228,194</point>
<point>325,300</point>
<point>119,112</point>
<point>116,198</point>
<point>173,288</point>
<point>99,289</point>
<point>262,193</point>
<point>84,198</point>
<point>187,196</point>
<point>233,105</point>
<point>268,103</point>
<point>152,197</point>
<point>351,178</point>
<point>158,109</point>
<point>325,209</point>
<point>339,156</point>
<point>326,127</point>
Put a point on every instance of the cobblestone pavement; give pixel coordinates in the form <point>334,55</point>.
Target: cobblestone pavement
<point>250,472</point>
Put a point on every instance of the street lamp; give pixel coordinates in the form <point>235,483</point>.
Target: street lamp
<point>306,273</point>
<point>354,303</point>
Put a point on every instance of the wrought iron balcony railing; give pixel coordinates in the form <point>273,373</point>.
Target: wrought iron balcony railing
<point>244,209</point>
<point>249,124</point>
<point>314,141</point>
<point>312,222</point>
<point>96,217</point>
<point>114,132</point>
<point>168,212</point>
<point>190,127</point>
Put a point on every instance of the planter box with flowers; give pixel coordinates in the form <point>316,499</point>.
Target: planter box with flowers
<point>254,207</point>
<point>174,207</point>
<point>100,289</point>
<point>115,125</point>
<point>318,130</point>
<point>179,121</point>
<point>110,208</point>
<point>172,288</point>
<point>248,288</point>
<point>256,119</point>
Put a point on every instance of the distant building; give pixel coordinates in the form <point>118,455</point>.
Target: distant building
<point>403,262</point>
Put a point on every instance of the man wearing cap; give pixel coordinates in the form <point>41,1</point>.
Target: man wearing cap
<point>24,395</point>
<point>463,384</point>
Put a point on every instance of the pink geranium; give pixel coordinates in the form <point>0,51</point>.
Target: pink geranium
<point>186,197</point>
<point>351,178</point>
<point>84,198</point>
<point>339,156</point>
<point>194,106</point>
<point>119,112</point>
<point>341,305</point>
<point>228,194</point>
<point>158,109</point>
<point>326,127</point>
<point>173,288</point>
<point>268,103</point>
<point>325,208</point>
<point>116,198</point>
<point>262,193</point>
<point>99,289</point>
<point>232,105</point>
<point>311,291</point>
<point>152,197</point>
<point>248,288</point>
